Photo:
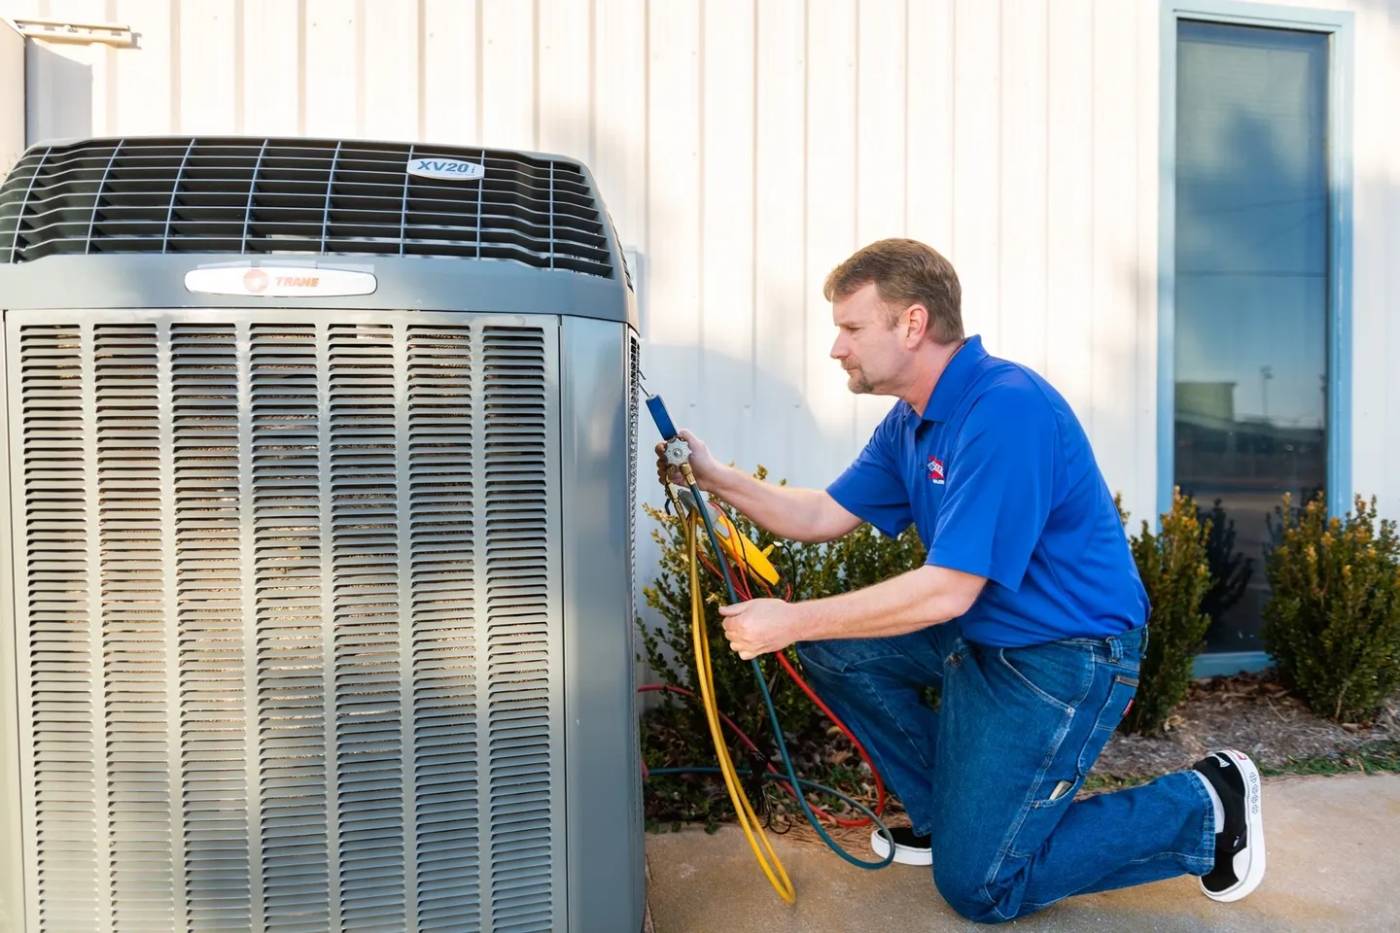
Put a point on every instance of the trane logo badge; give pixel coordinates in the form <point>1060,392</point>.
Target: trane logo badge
<point>449,169</point>
<point>279,281</point>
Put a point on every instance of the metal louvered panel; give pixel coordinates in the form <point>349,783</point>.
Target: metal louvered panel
<point>142,761</point>
<point>445,637</point>
<point>287,590</point>
<point>365,550</point>
<point>521,699</point>
<point>294,636</point>
<point>60,661</point>
<point>299,196</point>
<point>634,388</point>
<point>216,713</point>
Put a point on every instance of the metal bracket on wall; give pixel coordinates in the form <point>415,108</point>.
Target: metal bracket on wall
<point>56,30</point>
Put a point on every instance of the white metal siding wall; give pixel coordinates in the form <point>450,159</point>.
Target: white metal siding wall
<point>745,148</point>
<point>11,96</point>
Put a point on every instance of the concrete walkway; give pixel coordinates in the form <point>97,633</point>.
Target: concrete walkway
<point>1334,864</point>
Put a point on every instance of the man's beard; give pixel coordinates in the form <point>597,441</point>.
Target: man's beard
<point>857,382</point>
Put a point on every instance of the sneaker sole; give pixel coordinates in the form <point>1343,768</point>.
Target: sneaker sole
<point>1254,825</point>
<point>902,854</point>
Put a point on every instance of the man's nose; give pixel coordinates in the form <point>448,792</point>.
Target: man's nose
<point>838,349</point>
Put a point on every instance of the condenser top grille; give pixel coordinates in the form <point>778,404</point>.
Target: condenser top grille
<point>299,196</point>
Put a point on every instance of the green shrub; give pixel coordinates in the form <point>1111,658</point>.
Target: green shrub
<point>1176,575</point>
<point>674,732</point>
<point>1333,619</point>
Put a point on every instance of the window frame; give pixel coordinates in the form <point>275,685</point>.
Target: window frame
<point>1340,27</point>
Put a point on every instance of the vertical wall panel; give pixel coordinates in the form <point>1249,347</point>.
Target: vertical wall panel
<point>392,97</point>
<point>881,208</point>
<point>335,74</point>
<point>1069,363</point>
<point>509,70</point>
<point>144,96</point>
<point>207,91</point>
<point>1375,426</point>
<point>931,56</point>
<point>673,209</point>
<point>1024,190</point>
<point>831,221</point>
<point>270,68</point>
<point>11,96</point>
<point>727,221</point>
<point>1143,499</point>
<point>1115,282</point>
<point>977,165</point>
<point>619,138</point>
<point>451,72</point>
<point>780,280</point>
<point>566,78</point>
<point>1383,71</point>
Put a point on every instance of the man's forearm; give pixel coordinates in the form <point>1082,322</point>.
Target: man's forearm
<point>784,511</point>
<point>906,603</point>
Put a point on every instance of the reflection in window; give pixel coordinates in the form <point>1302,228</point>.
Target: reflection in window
<point>1251,284</point>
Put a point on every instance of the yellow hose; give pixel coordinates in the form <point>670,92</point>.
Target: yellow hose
<point>748,820</point>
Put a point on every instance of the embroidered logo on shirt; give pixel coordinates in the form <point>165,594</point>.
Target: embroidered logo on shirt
<point>935,470</point>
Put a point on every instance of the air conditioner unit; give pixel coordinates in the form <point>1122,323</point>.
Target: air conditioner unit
<point>318,541</point>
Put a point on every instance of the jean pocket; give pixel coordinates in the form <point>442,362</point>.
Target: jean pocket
<point>1057,674</point>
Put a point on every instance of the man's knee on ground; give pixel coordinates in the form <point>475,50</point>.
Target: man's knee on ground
<point>963,887</point>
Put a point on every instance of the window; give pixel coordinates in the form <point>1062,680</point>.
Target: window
<point>1252,259</point>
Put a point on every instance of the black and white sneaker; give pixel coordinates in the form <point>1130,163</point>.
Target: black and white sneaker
<point>1239,843</point>
<point>909,847</point>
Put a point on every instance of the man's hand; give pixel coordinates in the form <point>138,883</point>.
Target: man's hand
<point>702,463</point>
<point>760,626</point>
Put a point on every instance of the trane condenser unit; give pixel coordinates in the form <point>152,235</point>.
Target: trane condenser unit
<point>319,541</point>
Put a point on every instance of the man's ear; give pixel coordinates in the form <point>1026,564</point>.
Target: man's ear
<point>917,325</point>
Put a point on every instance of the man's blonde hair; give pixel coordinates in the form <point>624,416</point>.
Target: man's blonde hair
<point>905,272</point>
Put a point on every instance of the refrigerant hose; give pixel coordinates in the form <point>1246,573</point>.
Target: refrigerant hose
<point>757,841</point>
<point>678,454</point>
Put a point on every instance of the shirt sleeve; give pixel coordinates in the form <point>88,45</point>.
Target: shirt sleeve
<point>871,488</point>
<point>1000,480</point>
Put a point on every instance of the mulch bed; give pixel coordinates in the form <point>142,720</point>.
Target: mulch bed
<point>1251,712</point>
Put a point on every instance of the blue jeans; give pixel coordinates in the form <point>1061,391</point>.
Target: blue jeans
<point>991,774</point>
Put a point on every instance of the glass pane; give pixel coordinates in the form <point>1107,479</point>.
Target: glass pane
<point>1251,285</point>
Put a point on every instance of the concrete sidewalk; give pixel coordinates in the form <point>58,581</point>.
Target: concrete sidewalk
<point>1334,864</point>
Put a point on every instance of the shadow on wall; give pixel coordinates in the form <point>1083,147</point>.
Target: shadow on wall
<point>58,104</point>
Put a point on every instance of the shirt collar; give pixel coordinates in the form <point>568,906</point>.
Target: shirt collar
<point>955,379</point>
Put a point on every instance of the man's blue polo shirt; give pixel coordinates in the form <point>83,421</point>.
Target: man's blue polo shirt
<point>999,478</point>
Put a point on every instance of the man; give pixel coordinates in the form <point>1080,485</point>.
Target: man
<point>1028,616</point>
